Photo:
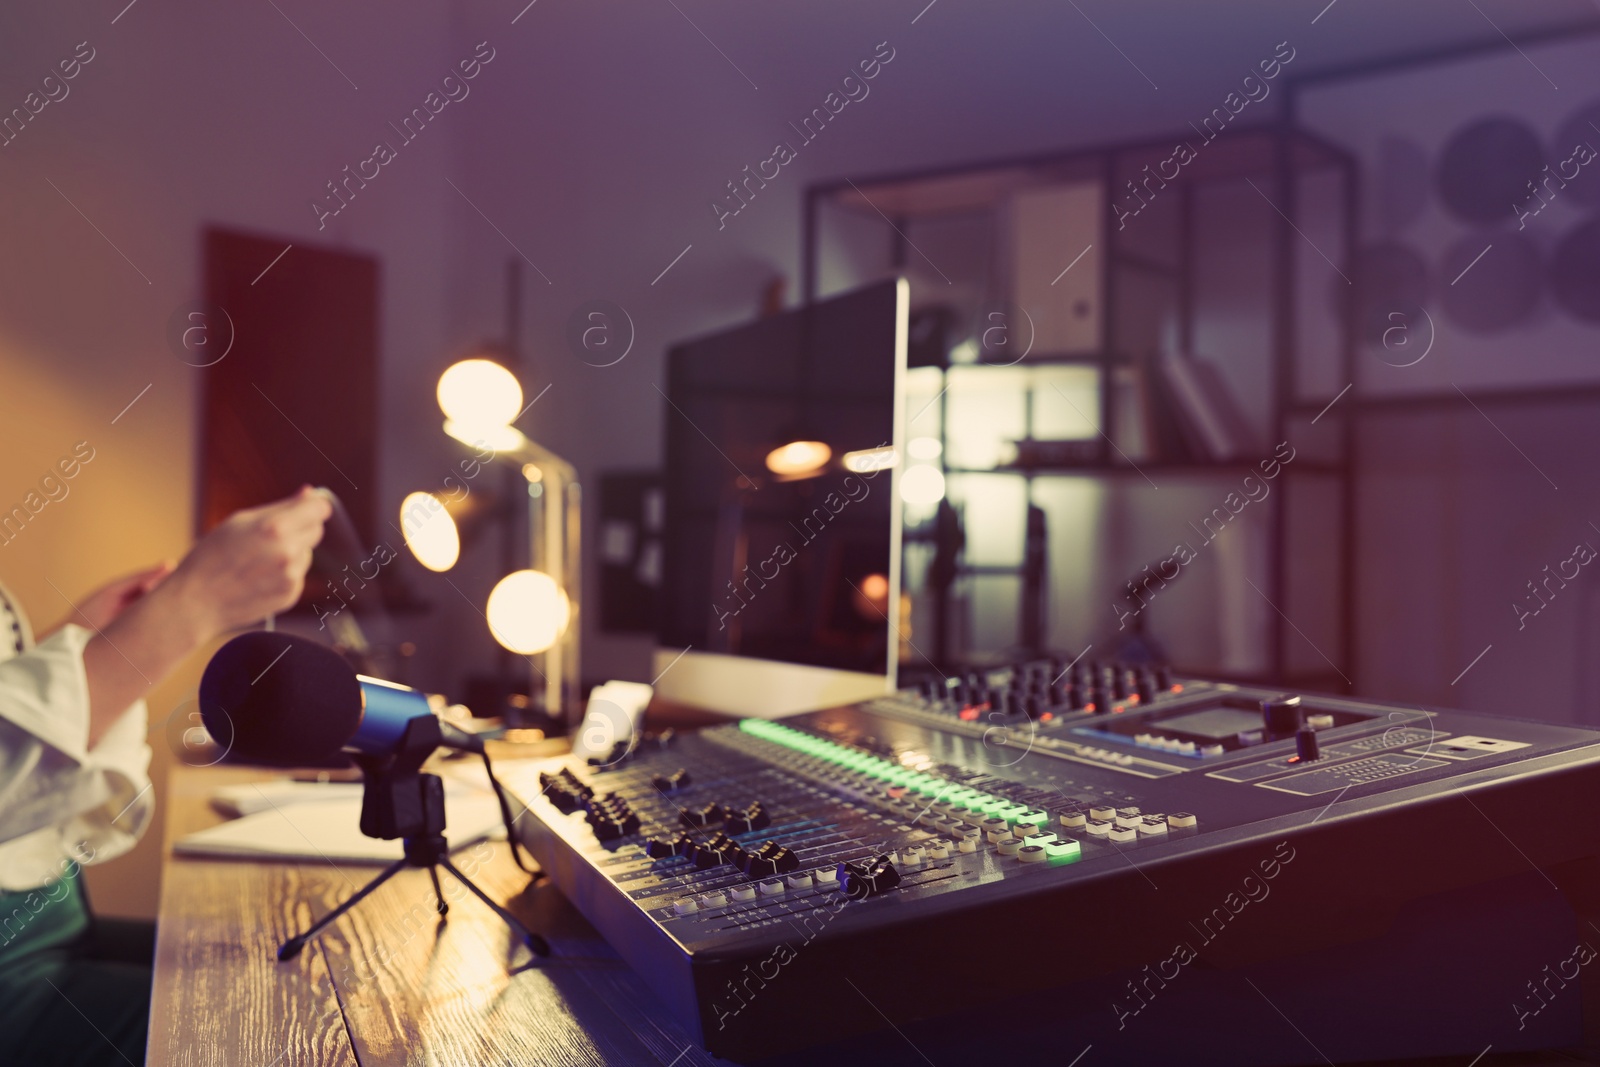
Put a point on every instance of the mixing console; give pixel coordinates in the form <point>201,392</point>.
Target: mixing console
<point>979,812</point>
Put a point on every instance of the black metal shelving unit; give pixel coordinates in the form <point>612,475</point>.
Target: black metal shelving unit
<point>1276,158</point>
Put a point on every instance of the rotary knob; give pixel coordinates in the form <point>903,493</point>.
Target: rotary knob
<point>1280,715</point>
<point>1306,746</point>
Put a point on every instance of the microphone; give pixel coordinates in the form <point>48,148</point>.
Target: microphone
<point>270,697</point>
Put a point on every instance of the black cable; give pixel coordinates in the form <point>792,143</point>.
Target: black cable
<point>508,818</point>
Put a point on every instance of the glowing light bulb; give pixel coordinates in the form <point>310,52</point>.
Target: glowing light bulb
<point>430,532</point>
<point>479,393</point>
<point>528,612</point>
<point>922,484</point>
<point>798,458</point>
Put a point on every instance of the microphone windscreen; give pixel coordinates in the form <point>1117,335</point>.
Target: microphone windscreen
<point>278,699</point>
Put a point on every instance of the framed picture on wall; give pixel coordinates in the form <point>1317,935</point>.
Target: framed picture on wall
<point>1478,259</point>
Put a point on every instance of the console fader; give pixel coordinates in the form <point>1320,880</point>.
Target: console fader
<point>920,843</point>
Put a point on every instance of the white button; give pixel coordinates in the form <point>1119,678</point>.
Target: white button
<point>1128,821</point>
<point>1320,722</point>
<point>1040,839</point>
<point>1098,828</point>
<point>1072,820</point>
<point>686,906</point>
<point>1181,820</point>
<point>1024,829</point>
<point>1213,750</point>
<point>968,844</point>
<point>743,892</point>
<point>938,851</point>
<point>1032,854</point>
<point>1103,814</point>
<point>715,899</point>
<point>802,880</point>
<point>772,888</point>
<point>1009,847</point>
<point>1187,748</point>
<point>827,876</point>
<point>997,836</point>
<point>1144,739</point>
<point>1123,834</point>
<point>1153,826</point>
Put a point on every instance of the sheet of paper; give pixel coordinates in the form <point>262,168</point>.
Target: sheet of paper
<point>330,830</point>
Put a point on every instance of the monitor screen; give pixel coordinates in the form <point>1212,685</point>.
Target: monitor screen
<point>782,530</point>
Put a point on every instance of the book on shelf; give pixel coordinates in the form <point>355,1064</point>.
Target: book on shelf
<point>1132,418</point>
<point>1174,439</point>
<point>1208,413</point>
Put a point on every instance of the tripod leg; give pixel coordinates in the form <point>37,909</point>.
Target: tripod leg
<point>291,948</point>
<point>536,944</point>
<point>438,893</point>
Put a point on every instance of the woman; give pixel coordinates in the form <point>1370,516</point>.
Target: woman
<point>74,784</point>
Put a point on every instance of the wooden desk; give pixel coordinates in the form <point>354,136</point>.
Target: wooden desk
<point>388,983</point>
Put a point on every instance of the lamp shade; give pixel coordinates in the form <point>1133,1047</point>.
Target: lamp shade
<point>430,531</point>
<point>479,393</point>
<point>798,458</point>
<point>528,612</point>
<point>922,484</point>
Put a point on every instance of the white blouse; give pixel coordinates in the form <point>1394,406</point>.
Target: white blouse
<point>61,800</point>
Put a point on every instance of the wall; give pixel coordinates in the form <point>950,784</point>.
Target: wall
<point>602,156</point>
<point>1461,508</point>
<point>188,114</point>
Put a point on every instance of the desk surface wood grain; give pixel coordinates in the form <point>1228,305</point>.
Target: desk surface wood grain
<point>389,983</point>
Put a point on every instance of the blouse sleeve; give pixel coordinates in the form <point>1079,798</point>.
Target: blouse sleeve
<point>67,799</point>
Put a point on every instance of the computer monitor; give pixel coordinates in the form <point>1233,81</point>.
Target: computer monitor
<point>781,555</point>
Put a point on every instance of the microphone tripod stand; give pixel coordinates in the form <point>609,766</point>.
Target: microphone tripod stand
<point>398,801</point>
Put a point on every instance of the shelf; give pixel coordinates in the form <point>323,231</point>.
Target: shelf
<point>1148,298</point>
<point>1053,359</point>
<point>1249,149</point>
<point>1574,393</point>
<point>1172,468</point>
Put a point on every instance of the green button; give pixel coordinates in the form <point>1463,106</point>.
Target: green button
<point>1063,850</point>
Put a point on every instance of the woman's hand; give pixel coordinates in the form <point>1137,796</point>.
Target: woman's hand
<point>103,605</point>
<point>252,565</point>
